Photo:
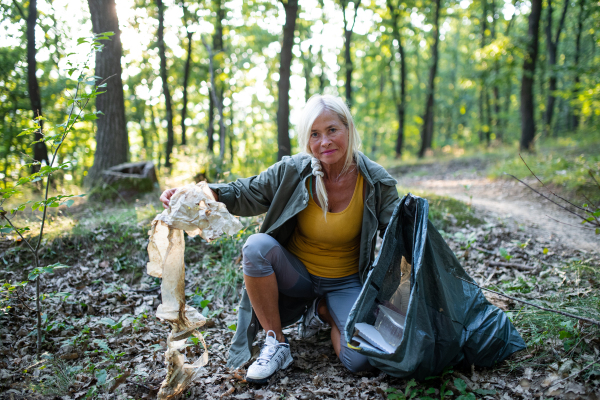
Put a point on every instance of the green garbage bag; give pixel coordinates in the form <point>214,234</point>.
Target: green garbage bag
<point>447,321</point>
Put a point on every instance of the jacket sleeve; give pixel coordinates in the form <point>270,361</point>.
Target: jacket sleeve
<point>251,196</point>
<point>387,205</point>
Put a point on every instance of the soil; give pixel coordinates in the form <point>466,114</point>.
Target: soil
<point>89,356</point>
<point>504,199</point>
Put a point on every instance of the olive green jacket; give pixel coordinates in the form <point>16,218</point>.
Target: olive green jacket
<point>281,192</point>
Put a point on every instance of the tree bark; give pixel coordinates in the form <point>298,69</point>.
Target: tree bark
<point>428,117</point>
<point>186,76</point>
<point>308,66</point>
<point>112,142</point>
<point>528,79</point>
<point>496,125</point>
<point>210,130</point>
<point>482,91</point>
<point>283,86</point>
<point>575,117</point>
<point>165,85</point>
<point>348,30</point>
<point>217,47</point>
<point>552,48</point>
<point>40,151</point>
<point>401,104</point>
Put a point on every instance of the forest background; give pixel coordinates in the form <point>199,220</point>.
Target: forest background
<point>212,89</point>
<point>422,78</point>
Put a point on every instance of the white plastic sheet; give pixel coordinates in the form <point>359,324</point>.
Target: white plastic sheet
<point>192,209</point>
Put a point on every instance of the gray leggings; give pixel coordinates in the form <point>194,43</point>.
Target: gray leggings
<point>264,256</point>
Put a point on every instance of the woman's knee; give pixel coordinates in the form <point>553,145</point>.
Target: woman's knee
<point>255,252</point>
<point>354,361</point>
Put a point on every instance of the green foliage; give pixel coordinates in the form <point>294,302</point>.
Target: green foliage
<point>7,292</point>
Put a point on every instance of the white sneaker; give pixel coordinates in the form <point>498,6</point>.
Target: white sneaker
<point>310,324</point>
<point>273,357</point>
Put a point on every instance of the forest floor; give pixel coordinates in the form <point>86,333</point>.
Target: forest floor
<point>101,339</point>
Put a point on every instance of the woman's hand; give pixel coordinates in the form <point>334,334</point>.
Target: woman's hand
<point>165,197</point>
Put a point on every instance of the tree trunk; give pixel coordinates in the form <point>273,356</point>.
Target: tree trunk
<point>552,48</point>
<point>482,91</point>
<point>186,75</point>
<point>308,66</point>
<point>496,90</point>
<point>527,81</point>
<point>210,130</point>
<point>112,143</point>
<point>401,104</point>
<point>40,151</point>
<point>165,85</point>
<point>283,86</point>
<point>348,30</point>
<point>428,117</point>
<point>575,117</point>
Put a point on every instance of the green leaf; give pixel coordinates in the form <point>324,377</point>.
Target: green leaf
<point>545,250</point>
<point>69,203</point>
<point>107,321</point>
<point>233,327</point>
<point>49,269</point>
<point>597,231</point>
<point>564,335</point>
<point>101,376</point>
<point>460,385</point>
<point>204,303</point>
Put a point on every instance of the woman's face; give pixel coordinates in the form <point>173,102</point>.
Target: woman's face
<point>329,139</point>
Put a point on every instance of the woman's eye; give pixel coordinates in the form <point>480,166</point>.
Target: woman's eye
<point>314,134</point>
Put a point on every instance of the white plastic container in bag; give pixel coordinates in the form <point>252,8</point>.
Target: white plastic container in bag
<point>390,325</point>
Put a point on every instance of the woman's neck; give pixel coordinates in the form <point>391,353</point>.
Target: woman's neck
<point>334,172</point>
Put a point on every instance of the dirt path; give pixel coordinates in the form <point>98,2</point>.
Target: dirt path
<point>504,199</point>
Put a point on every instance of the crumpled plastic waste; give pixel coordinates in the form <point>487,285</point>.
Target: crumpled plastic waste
<point>192,209</point>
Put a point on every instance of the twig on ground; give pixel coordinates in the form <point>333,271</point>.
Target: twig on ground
<point>576,373</point>
<point>484,250</point>
<point>149,290</point>
<point>142,385</point>
<point>521,267</point>
<point>591,321</point>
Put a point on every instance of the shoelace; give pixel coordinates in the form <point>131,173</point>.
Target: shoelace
<point>266,353</point>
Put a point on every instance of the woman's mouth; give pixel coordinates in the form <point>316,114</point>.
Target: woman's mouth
<point>327,152</point>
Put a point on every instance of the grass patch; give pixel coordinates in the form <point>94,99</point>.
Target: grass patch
<point>574,289</point>
<point>563,163</point>
<point>446,212</point>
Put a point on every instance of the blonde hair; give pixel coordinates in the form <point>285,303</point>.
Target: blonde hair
<point>313,108</point>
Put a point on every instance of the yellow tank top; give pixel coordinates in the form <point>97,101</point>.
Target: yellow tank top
<point>330,249</point>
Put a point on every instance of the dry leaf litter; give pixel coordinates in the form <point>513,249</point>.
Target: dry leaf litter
<point>102,341</point>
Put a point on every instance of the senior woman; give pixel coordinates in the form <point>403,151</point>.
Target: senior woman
<point>324,207</point>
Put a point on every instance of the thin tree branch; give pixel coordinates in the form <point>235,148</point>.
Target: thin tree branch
<point>521,267</point>
<point>16,230</point>
<point>575,373</point>
<point>546,197</point>
<point>591,321</point>
<point>566,201</point>
<point>20,9</point>
<point>356,6</point>
<point>566,223</point>
<point>594,178</point>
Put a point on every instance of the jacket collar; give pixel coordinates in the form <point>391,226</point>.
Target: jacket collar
<point>372,171</point>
